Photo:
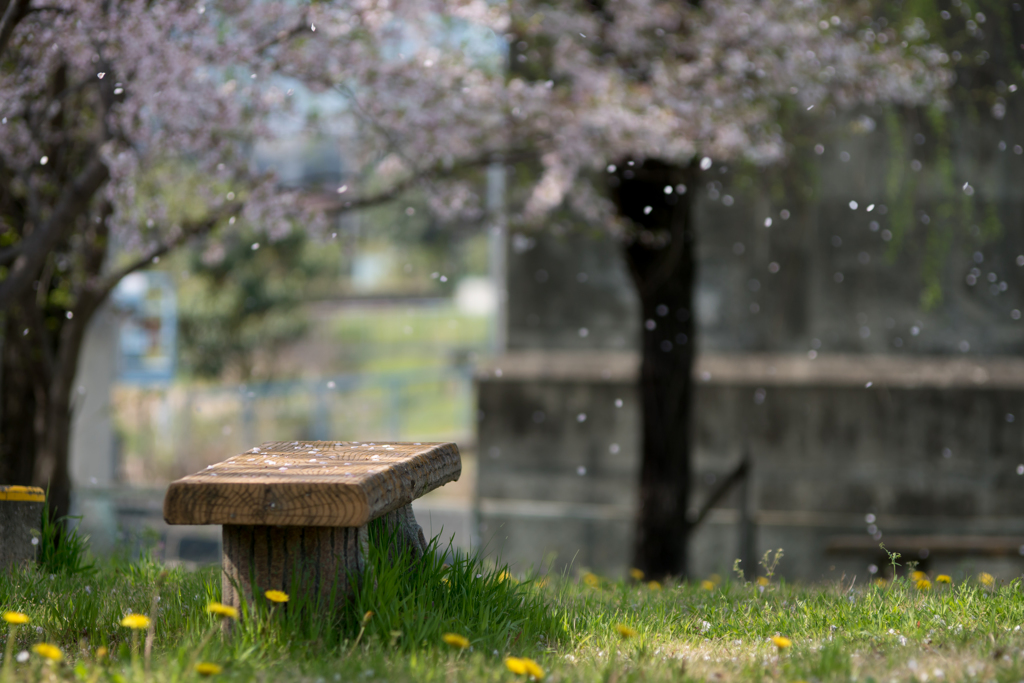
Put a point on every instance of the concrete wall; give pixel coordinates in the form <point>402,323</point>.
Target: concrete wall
<point>92,458</point>
<point>930,449</point>
<point>558,459</point>
<point>875,304</point>
<point>92,461</point>
<point>570,290</point>
<point>827,291</point>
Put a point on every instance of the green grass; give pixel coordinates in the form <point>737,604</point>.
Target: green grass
<point>839,632</point>
<point>392,338</point>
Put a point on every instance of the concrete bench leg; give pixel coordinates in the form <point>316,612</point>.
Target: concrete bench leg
<point>408,535</point>
<point>309,561</point>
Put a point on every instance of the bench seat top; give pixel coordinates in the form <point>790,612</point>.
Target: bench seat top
<point>312,483</point>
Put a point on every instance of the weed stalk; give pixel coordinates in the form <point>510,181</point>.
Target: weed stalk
<point>5,673</point>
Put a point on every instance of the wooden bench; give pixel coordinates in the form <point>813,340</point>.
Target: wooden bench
<point>296,513</point>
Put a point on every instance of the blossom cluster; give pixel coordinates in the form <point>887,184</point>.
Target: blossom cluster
<point>426,84</point>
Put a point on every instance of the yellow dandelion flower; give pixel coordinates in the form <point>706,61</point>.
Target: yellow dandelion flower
<point>762,581</point>
<point>923,585</point>
<point>208,669</point>
<point>715,579</point>
<point>138,621</point>
<point>591,580</point>
<point>542,582</point>
<point>455,640</point>
<point>276,596</point>
<point>367,617</point>
<point>505,576</point>
<point>222,610</point>
<point>51,652</point>
<point>625,631</point>
<point>15,618</point>
<point>533,668</point>
<point>636,574</point>
<point>918,575</point>
<point>516,665</point>
<point>986,578</point>
<point>781,642</point>
<point>881,583</point>
<point>943,578</point>
<point>101,652</point>
<point>524,667</point>
<point>707,585</point>
<point>654,585</point>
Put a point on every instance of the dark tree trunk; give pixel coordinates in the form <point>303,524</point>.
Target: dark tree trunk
<point>35,426</point>
<point>661,259</point>
<point>17,407</point>
<point>40,356</point>
<point>54,443</point>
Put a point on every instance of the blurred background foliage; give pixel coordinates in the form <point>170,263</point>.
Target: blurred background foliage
<point>240,305</point>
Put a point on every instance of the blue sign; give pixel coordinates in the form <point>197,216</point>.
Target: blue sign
<point>147,305</point>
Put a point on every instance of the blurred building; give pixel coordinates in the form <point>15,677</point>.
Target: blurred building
<point>867,418</point>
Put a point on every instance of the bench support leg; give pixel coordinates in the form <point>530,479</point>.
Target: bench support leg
<point>308,561</point>
<point>408,534</point>
<point>312,562</point>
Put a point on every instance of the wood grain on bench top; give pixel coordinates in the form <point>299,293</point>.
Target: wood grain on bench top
<point>312,483</point>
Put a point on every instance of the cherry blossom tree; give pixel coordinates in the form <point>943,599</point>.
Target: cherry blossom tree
<point>127,130</point>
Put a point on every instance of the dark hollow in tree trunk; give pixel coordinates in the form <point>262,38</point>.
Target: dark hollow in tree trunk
<point>660,256</point>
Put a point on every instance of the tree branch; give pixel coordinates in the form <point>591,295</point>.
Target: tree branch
<point>16,11</point>
<point>48,8</point>
<point>397,190</point>
<point>10,253</point>
<point>101,287</point>
<point>33,319</point>
<point>285,34</point>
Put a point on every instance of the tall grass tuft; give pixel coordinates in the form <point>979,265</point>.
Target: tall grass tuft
<point>63,550</point>
<point>402,603</point>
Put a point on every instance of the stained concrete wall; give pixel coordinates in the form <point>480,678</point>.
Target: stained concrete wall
<point>851,280</point>
<point>558,459</point>
<point>930,449</point>
<point>558,434</point>
<point>825,284</point>
<point>570,290</point>
<point>92,459</point>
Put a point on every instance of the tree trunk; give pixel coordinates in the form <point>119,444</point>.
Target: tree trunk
<point>17,407</point>
<point>54,443</point>
<point>35,427</point>
<point>37,385</point>
<point>661,259</point>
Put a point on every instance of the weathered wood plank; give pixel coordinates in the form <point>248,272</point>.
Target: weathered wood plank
<point>312,483</point>
<point>21,510</point>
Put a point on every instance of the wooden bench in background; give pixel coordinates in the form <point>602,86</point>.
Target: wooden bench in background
<point>295,514</point>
